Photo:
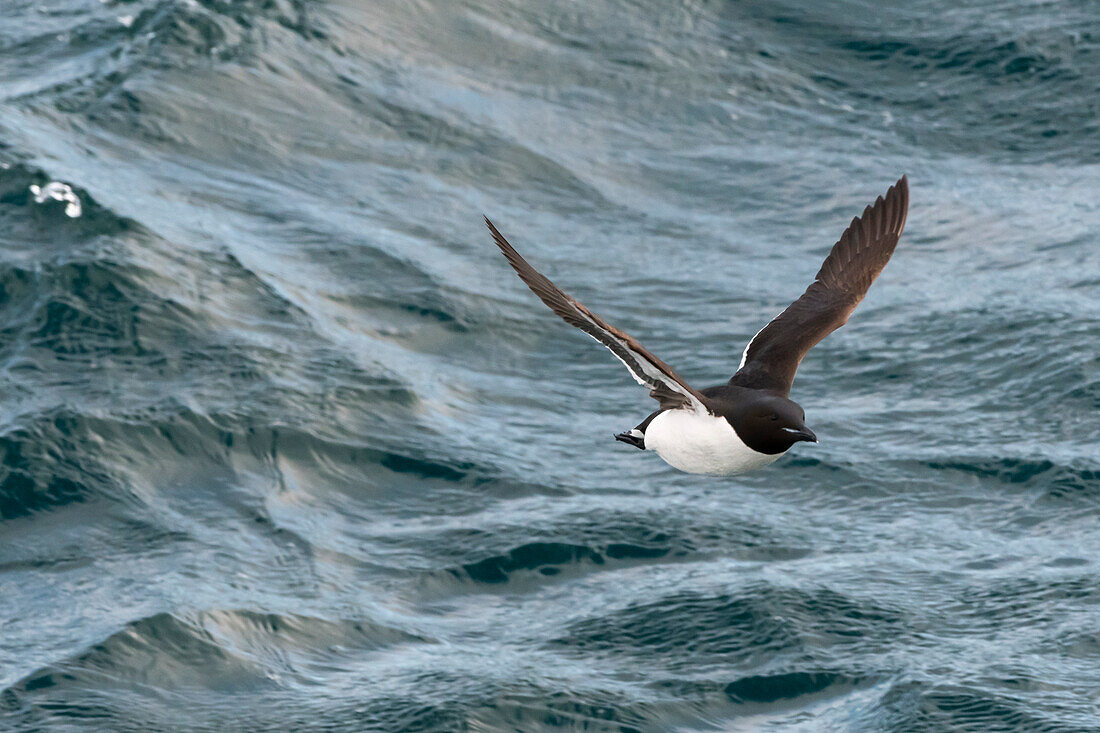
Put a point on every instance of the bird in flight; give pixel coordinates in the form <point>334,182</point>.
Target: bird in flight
<point>750,421</point>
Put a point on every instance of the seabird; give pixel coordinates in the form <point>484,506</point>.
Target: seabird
<point>748,422</point>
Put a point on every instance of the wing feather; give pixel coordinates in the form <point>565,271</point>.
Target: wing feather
<point>772,356</point>
<point>664,384</point>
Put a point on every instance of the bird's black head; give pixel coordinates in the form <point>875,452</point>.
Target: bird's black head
<point>771,424</point>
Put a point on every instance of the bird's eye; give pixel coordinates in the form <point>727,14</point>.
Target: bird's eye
<point>773,417</point>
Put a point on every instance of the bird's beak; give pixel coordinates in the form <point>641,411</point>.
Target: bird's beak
<point>803,433</point>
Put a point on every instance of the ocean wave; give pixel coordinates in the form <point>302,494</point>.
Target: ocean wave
<point>757,624</point>
<point>1055,479</point>
<point>231,651</point>
<point>910,705</point>
<point>285,445</point>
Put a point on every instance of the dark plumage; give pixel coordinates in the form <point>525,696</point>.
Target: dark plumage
<point>773,354</point>
<point>636,357</point>
<point>755,401</point>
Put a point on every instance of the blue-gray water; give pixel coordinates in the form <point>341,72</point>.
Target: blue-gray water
<point>285,445</point>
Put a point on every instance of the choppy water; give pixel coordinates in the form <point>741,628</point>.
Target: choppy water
<point>284,444</point>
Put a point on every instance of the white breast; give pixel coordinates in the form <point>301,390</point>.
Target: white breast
<point>700,443</point>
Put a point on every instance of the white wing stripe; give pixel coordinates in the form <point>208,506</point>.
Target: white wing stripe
<point>745,353</point>
<point>643,372</point>
<point>629,368</point>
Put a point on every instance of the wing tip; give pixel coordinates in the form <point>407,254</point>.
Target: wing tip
<point>502,244</point>
<point>902,191</point>
<point>899,189</point>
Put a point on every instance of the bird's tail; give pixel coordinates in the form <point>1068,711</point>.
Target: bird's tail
<point>633,437</point>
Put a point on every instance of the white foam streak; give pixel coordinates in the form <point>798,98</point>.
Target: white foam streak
<point>58,191</point>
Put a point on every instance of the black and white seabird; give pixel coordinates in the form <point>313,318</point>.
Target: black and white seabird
<point>748,422</point>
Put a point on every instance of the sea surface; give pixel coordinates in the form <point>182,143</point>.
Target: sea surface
<point>286,446</point>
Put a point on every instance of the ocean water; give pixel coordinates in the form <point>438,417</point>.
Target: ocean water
<point>285,445</point>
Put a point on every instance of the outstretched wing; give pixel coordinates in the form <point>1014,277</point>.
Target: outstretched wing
<point>665,385</point>
<point>772,357</point>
